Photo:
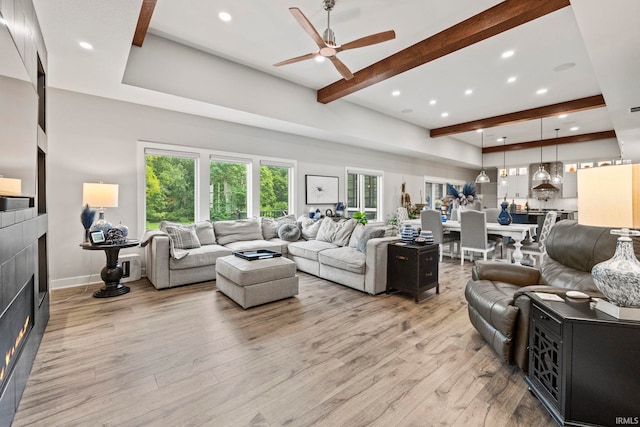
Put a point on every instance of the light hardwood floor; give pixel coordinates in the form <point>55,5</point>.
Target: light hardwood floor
<point>331,356</point>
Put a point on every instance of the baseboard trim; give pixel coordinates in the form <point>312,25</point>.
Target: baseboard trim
<point>72,282</point>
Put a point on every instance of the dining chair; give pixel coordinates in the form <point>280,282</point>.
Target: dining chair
<point>537,249</point>
<point>492,216</point>
<point>432,220</point>
<point>473,235</point>
<point>454,215</point>
<point>401,215</point>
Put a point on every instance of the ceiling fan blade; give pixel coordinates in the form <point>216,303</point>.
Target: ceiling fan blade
<point>369,40</point>
<point>307,26</point>
<point>296,59</point>
<point>342,69</point>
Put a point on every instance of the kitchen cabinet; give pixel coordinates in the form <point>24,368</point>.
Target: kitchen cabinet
<point>570,184</point>
<point>517,187</point>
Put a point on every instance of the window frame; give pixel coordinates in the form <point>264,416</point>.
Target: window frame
<point>203,156</point>
<point>435,181</point>
<point>379,210</point>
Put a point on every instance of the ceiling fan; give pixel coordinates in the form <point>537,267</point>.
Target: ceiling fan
<point>327,46</point>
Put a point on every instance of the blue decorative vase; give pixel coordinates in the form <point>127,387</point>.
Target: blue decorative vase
<point>407,233</point>
<point>504,218</point>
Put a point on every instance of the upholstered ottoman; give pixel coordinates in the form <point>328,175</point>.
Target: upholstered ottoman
<point>251,283</point>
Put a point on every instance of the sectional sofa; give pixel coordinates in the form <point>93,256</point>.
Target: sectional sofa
<point>337,250</point>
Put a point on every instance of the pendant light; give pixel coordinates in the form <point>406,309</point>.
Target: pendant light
<point>482,178</point>
<point>503,176</point>
<point>541,174</point>
<point>557,178</point>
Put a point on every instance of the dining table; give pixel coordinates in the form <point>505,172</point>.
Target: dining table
<point>517,232</point>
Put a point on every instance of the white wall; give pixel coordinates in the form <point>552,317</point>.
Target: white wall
<point>95,139</point>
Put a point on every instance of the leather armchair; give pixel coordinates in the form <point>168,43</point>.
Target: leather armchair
<point>498,306</point>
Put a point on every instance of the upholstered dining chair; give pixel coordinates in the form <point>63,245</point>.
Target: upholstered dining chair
<point>432,220</point>
<point>473,235</point>
<point>401,215</point>
<point>492,216</point>
<point>537,249</point>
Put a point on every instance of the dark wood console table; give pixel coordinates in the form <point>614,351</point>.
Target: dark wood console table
<point>112,272</point>
<point>412,268</point>
<point>583,364</point>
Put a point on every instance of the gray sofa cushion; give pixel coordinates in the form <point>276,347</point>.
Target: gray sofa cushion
<point>334,232</point>
<point>308,227</point>
<point>309,249</point>
<point>344,258</point>
<point>199,257</point>
<point>237,230</point>
<point>204,231</point>
<point>289,231</point>
<point>183,237</point>
<point>368,234</point>
<point>356,235</point>
<point>270,226</point>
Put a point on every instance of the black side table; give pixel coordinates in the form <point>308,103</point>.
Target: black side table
<point>112,272</point>
<point>412,268</point>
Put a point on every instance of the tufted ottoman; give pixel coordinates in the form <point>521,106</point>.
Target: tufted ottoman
<point>251,283</point>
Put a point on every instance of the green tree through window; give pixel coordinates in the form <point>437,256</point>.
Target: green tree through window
<point>170,189</point>
<point>228,190</point>
<point>274,190</point>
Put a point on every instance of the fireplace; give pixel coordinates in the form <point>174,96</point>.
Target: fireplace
<point>15,324</point>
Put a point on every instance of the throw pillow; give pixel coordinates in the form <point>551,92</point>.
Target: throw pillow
<point>270,226</point>
<point>204,231</point>
<point>237,231</point>
<point>356,235</point>
<point>183,237</point>
<point>164,224</point>
<point>289,231</point>
<point>309,228</point>
<point>368,234</point>
<point>334,232</point>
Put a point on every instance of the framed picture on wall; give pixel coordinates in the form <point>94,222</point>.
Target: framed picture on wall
<point>321,190</point>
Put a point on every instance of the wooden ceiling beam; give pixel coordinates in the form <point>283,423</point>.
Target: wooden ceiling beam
<point>502,17</point>
<point>595,136</point>
<point>582,104</point>
<point>144,19</point>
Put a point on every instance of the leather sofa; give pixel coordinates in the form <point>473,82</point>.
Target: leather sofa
<point>497,304</point>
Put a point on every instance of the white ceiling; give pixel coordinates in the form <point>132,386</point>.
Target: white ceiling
<point>262,33</point>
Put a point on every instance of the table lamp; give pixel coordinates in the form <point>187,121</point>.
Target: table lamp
<point>609,196</point>
<point>10,186</point>
<point>101,196</point>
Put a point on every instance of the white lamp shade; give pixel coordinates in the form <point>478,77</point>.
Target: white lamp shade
<point>100,195</point>
<point>10,186</point>
<point>609,196</point>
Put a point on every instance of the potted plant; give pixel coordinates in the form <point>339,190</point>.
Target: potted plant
<point>360,217</point>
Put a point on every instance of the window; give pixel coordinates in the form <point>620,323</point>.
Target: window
<point>170,187</point>
<point>275,188</point>
<point>228,189</point>
<point>435,190</point>
<point>363,193</point>
<point>188,184</point>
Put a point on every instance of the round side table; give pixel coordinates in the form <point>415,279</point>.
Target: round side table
<point>112,272</point>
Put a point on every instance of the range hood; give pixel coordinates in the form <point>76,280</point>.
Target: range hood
<point>545,191</point>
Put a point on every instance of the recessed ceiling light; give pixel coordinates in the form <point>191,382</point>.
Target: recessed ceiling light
<point>224,16</point>
<point>507,54</point>
<point>445,114</point>
<point>511,79</point>
<point>479,130</point>
<point>395,93</point>
<point>562,116</point>
<point>3,22</point>
<point>541,91</point>
<point>564,67</point>
<point>468,91</point>
<point>319,58</point>
<point>499,140</point>
<point>432,102</point>
<point>575,128</point>
<point>86,45</point>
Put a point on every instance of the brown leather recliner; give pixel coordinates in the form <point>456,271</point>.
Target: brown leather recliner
<point>498,307</point>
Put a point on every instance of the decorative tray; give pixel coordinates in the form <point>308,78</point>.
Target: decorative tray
<point>257,254</point>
